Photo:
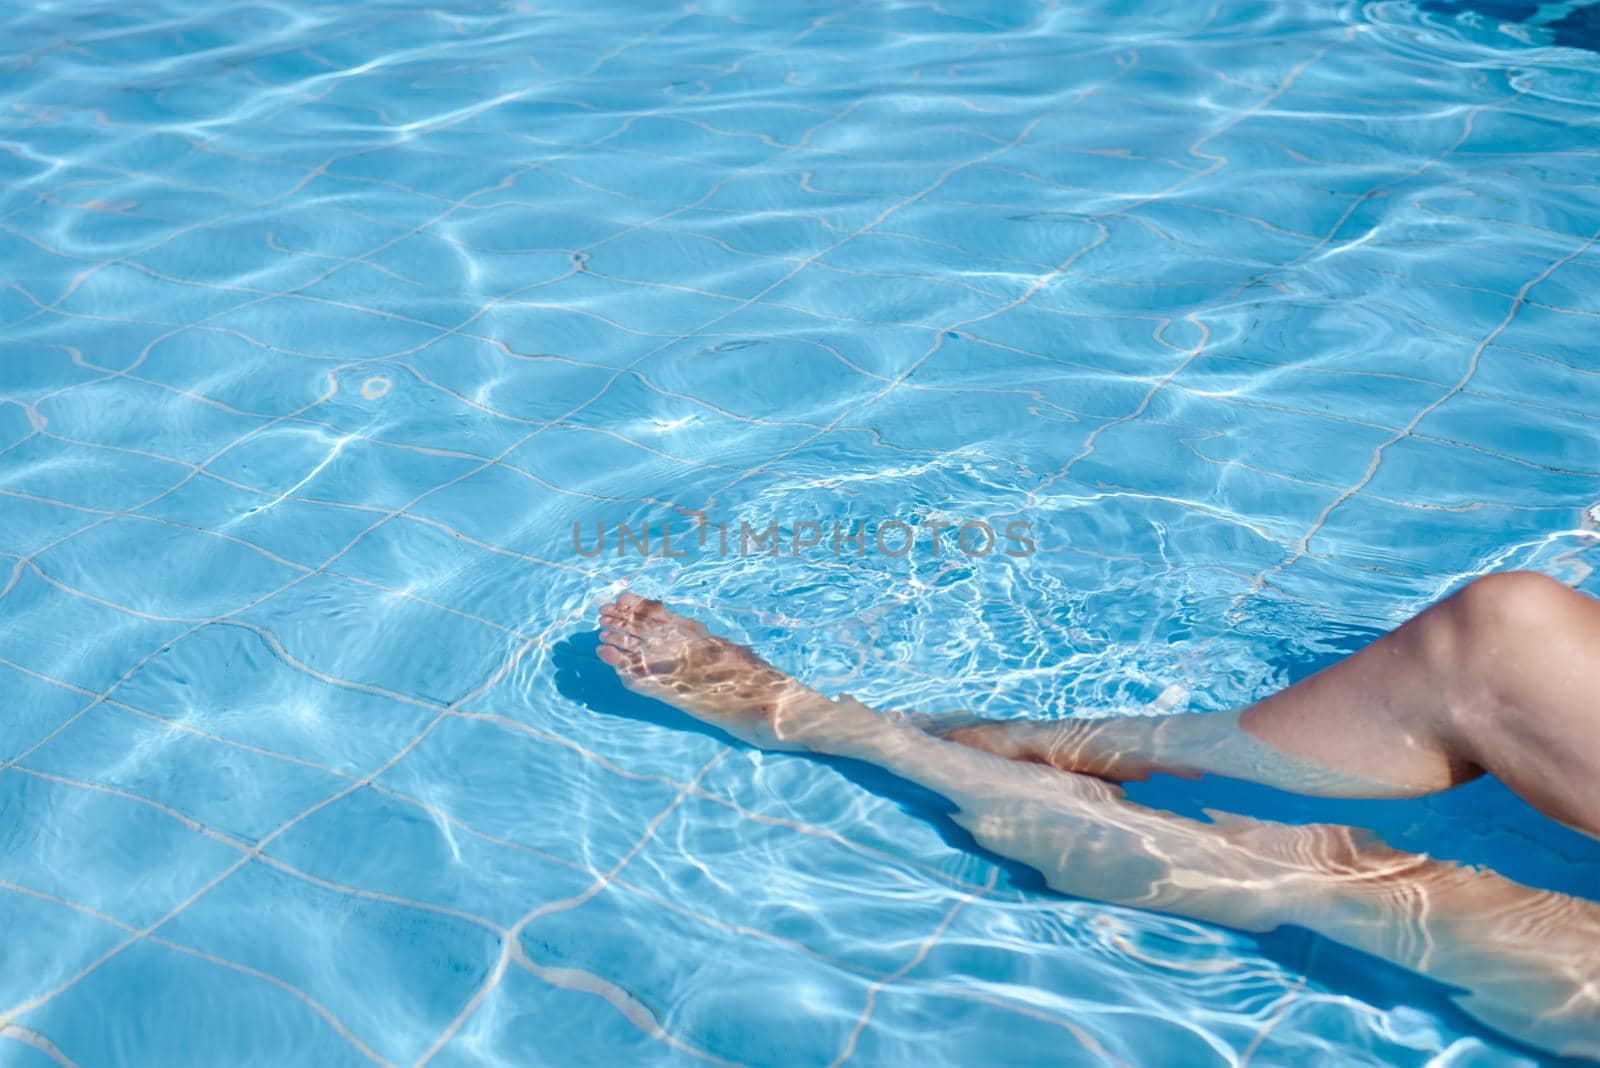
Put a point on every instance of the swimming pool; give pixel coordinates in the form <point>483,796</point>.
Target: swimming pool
<point>331,333</point>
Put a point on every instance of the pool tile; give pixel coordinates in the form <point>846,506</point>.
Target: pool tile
<point>210,576</point>
<point>1363,532</point>
<point>356,956</point>
<point>207,1013</point>
<point>686,427</point>
<point>360,635</point>
<point>524,1018</point>
<point>85,475</point>
<point>667,255</point>
<point>530,775</point>
<point>346,333</point>
<point>232,369</point>
<point>37,707</point>
<point>378,842</point>
<point>507,225</point>
<point>691,865</point>
<point>42,628</point>
<point>108,853</point>
<point>1538,437</point>
<point>321,463</point>
<point>436,258</point>
<point>500,507</point>
<point>1434,471</point>
<point>704,983</point>
<point>443,175</point>
<point>226,680</point>
<point>526,385</point>
<point>1535,379</point>
<point>232,791</point>
<point>28,524</point>
<point>442,568</point>
<point>369,290</point>
<point>117,414</point>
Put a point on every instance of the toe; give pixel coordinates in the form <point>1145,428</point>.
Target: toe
<point>623,662</point>
<point>653,611</point>
<point>621,624</point>
<point>643,607</point>
<point>619,639</point>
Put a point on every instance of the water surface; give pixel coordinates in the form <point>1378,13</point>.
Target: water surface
<point>323,324</point>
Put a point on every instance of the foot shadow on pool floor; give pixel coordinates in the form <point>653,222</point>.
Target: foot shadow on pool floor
<point>1490,824</point>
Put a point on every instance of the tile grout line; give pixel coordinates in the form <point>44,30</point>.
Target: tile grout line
<point>1408,430</point>
<point>923,949</point>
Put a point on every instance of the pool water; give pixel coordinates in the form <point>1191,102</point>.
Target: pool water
<point>323,325</point>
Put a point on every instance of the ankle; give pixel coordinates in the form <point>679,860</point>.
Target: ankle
<point>838,726</point>
<point>792,717</point>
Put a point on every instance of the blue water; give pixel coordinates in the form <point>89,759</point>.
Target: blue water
<point>322,325</point>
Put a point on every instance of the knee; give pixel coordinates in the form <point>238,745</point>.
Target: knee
<point>1512,600</point>
<point>1504,614</point>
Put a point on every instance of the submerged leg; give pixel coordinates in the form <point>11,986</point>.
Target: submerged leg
<point>1529,960</point>
<point>1502,677</point>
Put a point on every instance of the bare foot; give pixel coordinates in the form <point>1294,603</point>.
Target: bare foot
<point>660,654</point>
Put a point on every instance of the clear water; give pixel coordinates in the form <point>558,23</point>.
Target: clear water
<point>323,324</point>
